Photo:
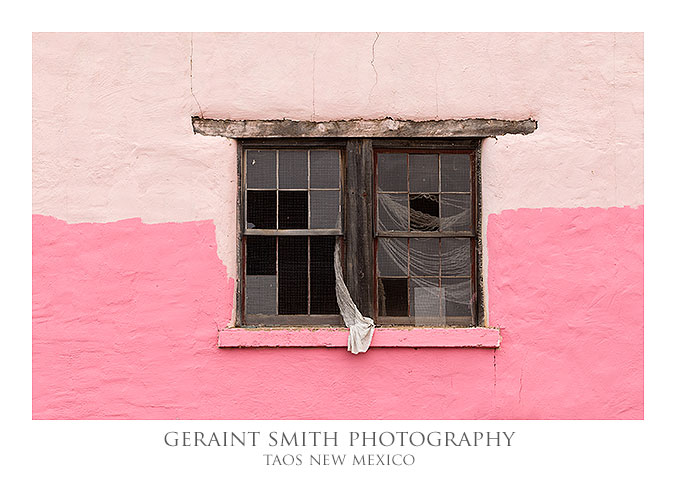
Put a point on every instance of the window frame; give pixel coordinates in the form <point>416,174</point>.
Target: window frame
<point>358,208</point>
<point>477,314</point>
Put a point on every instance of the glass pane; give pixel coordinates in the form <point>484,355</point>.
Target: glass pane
<point>293,210</point>
<point>457,297</point>
<point>455,173</point>
<point>425,257</point>
<point>293,169</point>
<point>423,173</point>
<point>261,205</point>
<point>393,212</point>
<point>325,209</point>
<point>260,294</point>
<point>424,212</point>
<point>456,257</point>
<point>324,169</point>
<point>260,171</point>
<point>425,302</point>
<point>293,275</point>
<point>456,212</point>
<point>392,296</point>
<point>260,258</point>
<point>392,257</point>
<point>323,292</point>
<point>392,172</point>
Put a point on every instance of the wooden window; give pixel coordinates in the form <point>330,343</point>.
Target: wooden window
<point>405,213</point>
<point>426,237</point>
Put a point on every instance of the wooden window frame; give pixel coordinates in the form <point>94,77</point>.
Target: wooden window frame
<point>359,216</point>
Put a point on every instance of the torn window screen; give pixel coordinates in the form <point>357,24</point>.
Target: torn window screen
<point>424,280</point>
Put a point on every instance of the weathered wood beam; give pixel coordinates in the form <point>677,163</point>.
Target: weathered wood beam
<point>279,128</point>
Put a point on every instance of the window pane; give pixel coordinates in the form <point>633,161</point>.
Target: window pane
<point>260,278</point>
<point>293,275</point>
<point>425,302</point>
<point>423,173</point>
<point>456,257</point>
<point>392,172</point>
<point>260,255</point>
<point>393,212</point>
<point>324,169</point>
<point>455,172</point>
<point>424,212</point>
<point>260,171</point>
<point>261,205</point>
<point>457,298</point>
<point>425,257</point>
<point>293,169</point>
<point>456,212</point>
<point>293,210</point>
<point>392,257</point>
<point>392,296</point>
<point>323,292</point>
<point>325,209</point>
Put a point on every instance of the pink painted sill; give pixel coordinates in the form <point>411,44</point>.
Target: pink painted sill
<point>338,338</point>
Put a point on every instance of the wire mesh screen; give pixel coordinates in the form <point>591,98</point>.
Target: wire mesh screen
<point>424,173</point>
<point>260,276</point>
<point>324,169</point>
<point>323,295</point>
<point>261,166</point>
<point>293,169</point>
<point>425,275</point>
<point>392,172</point>
<point>455,172</point>
<point>455,212</point>
<point>325,209</point>
<point>289,191</point>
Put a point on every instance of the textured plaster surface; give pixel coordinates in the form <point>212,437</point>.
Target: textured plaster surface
<point>126,313</point>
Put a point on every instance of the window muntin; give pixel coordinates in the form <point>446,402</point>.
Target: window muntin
<point>425,238</point>
<point>293,214</point>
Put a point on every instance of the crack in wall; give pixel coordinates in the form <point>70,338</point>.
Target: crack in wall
<point>376,74</point>
<point>202,115</point>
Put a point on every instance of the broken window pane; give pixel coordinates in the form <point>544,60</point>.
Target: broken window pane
<point>424,212</point>
<point>425,301</point>
<point>392,257</point>
<point>292,275</point>
<point>456,212</point>
<point>457,298</point>
<point>260,258</point>
<point>260,275</point>
<point>260,173</point>
<point>455,172</point>
<point>392,296</point>
<point>293,210</point>
<point>425,257</point>
<point>325,209</point>
<point>324,169</point>
<point>393,212</point>
<point>392,172</point>
<point>423,173</point>
<point>455,257</point>
<point>323,292</point>
<point>261,208</point>
<point>293,169</point>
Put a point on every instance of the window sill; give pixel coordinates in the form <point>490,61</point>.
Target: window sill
<point>401,337</point>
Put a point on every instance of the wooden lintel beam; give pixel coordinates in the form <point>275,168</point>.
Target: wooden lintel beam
<point>361,128</point>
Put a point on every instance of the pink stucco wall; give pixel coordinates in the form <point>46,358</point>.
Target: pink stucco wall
<point>134,237</point>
